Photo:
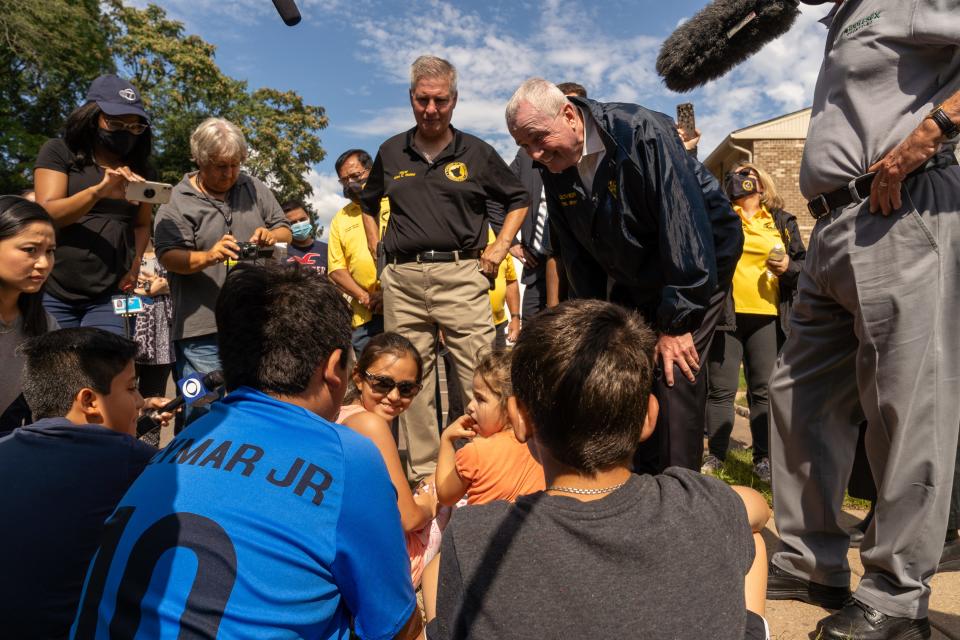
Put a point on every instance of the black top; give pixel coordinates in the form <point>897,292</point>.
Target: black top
<point>60,483</point>
<point>656,234</point>
<point>96,251</point>
<point>440,205</point>
<point>663,557</point>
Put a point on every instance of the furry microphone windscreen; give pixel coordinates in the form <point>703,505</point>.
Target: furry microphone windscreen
<point>719,37</point>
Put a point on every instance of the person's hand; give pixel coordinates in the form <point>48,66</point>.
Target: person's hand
<point>513,329</point>
<point>491,258</point>
<point>425,495</point>
<point>894,167</point>
<point>462,427</point>
<point>263,237</point>
<point>778,267</point>
<point>129,281</point>
<point>375,303</point>
<point>155,404</point>
<point>225,249</point>
<point>158,287</point>
<point>525,257</point>
<point>690,140</point>
<point>681,351</point>
<point>114,183</point>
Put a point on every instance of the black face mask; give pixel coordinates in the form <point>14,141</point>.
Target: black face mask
<point>352,190</point>
<point>120,142</point>
<point>739,185</point>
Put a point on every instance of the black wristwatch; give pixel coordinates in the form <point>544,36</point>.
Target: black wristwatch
<point>949,128</point>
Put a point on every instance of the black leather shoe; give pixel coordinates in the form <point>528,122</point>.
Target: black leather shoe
<point>785,586</point>
<point>950,558</point>
<point>857,621</point>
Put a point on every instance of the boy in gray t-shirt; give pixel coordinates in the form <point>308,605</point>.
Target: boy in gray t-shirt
<point>602,553</point>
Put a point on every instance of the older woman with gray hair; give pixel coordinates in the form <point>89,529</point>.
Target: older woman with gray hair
<point>211,213</point>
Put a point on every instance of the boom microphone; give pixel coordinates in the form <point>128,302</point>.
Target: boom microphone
<point>719,37</point>
<point>288,11</point>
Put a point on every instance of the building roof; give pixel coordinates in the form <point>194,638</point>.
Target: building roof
<point>790,126</point>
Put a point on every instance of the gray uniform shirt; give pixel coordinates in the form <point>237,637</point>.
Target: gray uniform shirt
<point>195,222</point>
<point>886,64</point>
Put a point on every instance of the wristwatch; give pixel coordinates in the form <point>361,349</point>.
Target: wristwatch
<point>949,128</point>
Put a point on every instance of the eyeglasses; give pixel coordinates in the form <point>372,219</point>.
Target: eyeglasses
<point>385,384</point>
<point>136,128</point>
<point>354,177</point>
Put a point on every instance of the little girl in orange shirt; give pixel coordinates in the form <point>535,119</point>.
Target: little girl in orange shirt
<point>494,465</point>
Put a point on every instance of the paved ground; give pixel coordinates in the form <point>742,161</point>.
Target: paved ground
<point>796,620</point>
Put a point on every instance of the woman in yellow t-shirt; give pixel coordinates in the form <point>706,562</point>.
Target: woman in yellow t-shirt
<point>763,287</point>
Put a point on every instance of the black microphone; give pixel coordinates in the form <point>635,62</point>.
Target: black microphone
<point>719,37</point>
<point>148,421</point>
<point>288,11</point>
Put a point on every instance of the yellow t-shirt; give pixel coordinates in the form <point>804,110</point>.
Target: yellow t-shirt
<point>753,290</point>
<point>498,294</point>
<point>347,249</point>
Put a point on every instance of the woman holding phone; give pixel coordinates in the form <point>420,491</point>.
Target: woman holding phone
<point>81,181</point>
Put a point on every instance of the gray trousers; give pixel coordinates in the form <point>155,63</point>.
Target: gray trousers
<point>874,336</point>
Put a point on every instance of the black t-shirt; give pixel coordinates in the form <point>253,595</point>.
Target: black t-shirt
<point>663,557</point>
<point>95,252</point>
<point>439,205</point>
<point>60,483</point>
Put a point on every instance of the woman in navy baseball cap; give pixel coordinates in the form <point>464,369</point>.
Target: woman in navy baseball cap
<point>81,181</point>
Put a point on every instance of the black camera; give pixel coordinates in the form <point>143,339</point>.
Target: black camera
<point>252,251</point>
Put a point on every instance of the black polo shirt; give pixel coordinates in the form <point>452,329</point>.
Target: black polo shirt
<point>440,205</point>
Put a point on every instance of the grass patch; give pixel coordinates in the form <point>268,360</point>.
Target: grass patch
<point>738,469</point>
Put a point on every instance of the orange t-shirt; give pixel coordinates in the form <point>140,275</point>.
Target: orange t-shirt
<point>498,468</point>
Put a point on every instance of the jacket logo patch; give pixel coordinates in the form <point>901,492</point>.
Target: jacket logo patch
<point>403,173</point>
<point>456,171</point>
<point>568,199</point>
<point>862,23</point>
<point>612,187</point>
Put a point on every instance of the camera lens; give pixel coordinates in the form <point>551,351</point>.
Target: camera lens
<point>149,193</point>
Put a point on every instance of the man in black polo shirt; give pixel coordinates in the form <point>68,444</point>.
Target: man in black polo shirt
<point>438,265</point>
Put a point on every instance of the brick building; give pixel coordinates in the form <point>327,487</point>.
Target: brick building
<point>775,145</point>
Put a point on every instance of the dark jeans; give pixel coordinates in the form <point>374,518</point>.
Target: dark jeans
<point>534,297</point>
<point>678,437</point>
<point>95,313</point>
<point>755,344</point>
<point>362,334</point>
<point>500,339</point>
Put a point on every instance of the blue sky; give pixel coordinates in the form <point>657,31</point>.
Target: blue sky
<point>353,59</point>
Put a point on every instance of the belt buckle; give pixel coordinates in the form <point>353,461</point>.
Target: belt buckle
<point>822,201</point>
<point>852,190</point>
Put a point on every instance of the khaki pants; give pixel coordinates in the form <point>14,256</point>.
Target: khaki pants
<point>417,300</point>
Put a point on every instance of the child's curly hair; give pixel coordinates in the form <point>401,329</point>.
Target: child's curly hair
<point>493,367</point>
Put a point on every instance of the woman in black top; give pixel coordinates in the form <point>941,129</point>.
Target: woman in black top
<point>81,180</point>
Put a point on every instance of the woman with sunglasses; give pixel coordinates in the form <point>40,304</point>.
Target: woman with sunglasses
<point>81,181</point>
<point>386,379</point>
<point>764,284</point>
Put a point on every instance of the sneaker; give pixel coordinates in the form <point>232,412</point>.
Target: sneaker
<point>711,464</point>
<point>762,470</point>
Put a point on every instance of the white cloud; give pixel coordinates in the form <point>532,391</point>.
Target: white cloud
<point>327,197</point>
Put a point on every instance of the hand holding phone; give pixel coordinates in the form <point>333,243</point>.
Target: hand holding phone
<point>152,192</point>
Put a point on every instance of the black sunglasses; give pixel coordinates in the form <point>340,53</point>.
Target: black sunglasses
<point>385,384</point>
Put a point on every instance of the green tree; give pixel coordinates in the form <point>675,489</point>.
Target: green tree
<point>49,53</point>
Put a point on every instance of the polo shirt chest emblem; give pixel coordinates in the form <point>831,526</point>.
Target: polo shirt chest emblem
<point>403,173</point>
<point>568,199</point>
<point>612,188</point>
<point>455,171</point>
<point>861,24</point>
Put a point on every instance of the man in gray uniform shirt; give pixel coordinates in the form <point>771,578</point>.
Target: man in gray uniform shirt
<point>874,332</point>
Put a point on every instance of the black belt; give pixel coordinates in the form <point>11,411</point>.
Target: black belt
<point>433,256</point>
<point>858,189</point>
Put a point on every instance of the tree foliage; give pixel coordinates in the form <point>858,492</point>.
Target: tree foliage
<point>176,73</point>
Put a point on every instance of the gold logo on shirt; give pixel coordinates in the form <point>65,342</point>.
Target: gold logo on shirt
<point>568,199</point>
<point>403,173</point>
<point>612,186</point>
<point>456,171</point>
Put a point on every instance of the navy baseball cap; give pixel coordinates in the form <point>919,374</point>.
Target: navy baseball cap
<point>116,97</point>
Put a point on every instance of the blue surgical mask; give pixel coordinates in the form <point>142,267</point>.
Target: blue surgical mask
<point>301,230</point>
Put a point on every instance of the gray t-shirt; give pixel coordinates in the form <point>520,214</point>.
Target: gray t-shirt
<point>663,557</point>
<point>886,64</point>
<point>11,362</point>
<point>195,222</point>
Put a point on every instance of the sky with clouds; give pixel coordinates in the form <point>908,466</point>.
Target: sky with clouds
<point>353,57</point>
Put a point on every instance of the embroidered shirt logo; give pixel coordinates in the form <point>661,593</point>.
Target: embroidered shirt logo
<point>862,23</point>
<point>568,199</point>
<point>403,173</point>
<point>128,94</point>
<point>456,171</point>
<point>612,187</point>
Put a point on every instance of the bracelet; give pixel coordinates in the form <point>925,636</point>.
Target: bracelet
<point>949,128</point>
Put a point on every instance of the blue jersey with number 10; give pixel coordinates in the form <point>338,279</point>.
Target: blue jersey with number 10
<point>260,520</point>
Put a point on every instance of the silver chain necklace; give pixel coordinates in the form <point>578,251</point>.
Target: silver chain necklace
<point>587,492</point>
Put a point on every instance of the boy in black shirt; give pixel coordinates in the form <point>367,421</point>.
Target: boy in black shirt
<point>64,474</point>
<point>602,553</point>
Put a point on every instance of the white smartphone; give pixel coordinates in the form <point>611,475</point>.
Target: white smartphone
<point>153,192</point>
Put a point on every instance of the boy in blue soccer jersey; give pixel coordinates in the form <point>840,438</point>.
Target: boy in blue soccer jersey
<point>262,519</point>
